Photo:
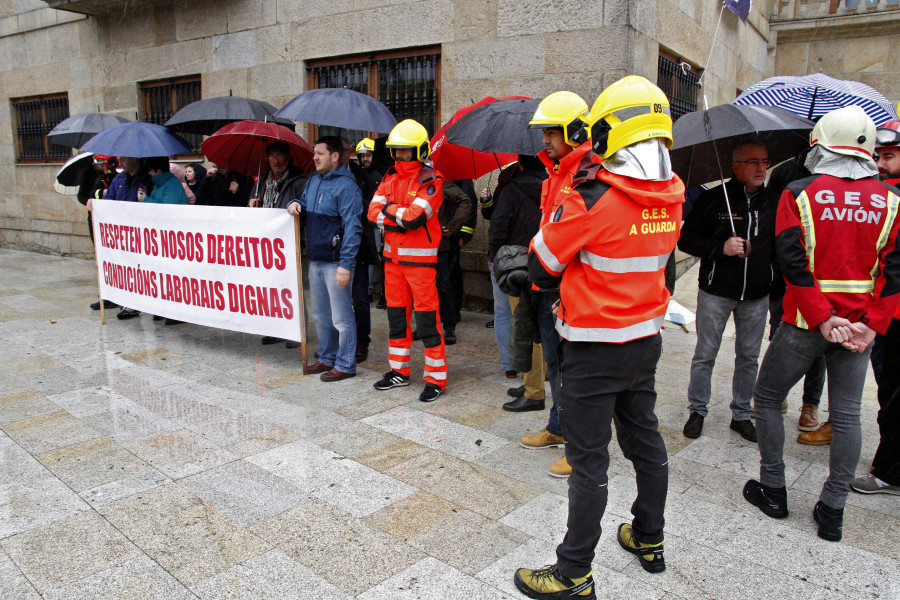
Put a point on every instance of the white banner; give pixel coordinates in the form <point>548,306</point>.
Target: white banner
<point>231,268</point>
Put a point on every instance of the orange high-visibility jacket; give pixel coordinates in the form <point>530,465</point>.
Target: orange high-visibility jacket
<point>405,207</point>
<point>558,186</point>
<point>607,246</point>
<point>836,241</point>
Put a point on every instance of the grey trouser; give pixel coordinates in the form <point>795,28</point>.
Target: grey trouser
<point>750,324</point>
<point>789,356</point>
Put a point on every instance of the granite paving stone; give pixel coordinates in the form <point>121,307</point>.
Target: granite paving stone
<point>144,461</point>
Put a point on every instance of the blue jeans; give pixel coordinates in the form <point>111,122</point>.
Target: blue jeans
<point>789,356</point>
<point>502,320</point>
<point>332,308</point>
<point>550,345</point>
<point>750,324</point>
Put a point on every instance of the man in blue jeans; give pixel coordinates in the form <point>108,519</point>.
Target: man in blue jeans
<point>736,252</point>
<point>332,203</point>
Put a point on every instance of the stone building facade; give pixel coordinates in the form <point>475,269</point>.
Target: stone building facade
<point>98,53</point>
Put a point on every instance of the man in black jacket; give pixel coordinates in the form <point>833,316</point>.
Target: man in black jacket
<point>736,250</point>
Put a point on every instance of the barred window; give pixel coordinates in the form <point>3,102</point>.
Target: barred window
<point>34,117</point>
<point>163,98</point>
<point>406,81</point>
<point>680,83</point>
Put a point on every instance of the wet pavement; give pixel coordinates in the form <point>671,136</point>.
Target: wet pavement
<point>147,461</point>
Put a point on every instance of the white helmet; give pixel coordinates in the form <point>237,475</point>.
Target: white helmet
<point>847,130</point>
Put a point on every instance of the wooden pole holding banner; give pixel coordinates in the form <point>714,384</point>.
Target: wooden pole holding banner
<point>97,264</point>
<point>301,302</point>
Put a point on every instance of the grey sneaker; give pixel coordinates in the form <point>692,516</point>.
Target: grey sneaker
<point>870,484</point>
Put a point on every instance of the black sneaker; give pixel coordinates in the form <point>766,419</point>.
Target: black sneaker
<point>772,501</point>
<point>449,336</point>
<point>390,380</point>
<point>745,428</point>
<point>489,324</point>
<point>106,304</point>
<point>268,340</point>
<point>430,393</point>
<point>128,313</point>
<point>694,426</point>
<point>173,322</point>
<point>830,520</point>
<point>651,556</point>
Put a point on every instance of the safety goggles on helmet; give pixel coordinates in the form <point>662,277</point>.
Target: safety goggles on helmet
<point>409,134</point>
<point>887,137</point>
<point>629,111</point>
<point>565,111</point>
<point>365,146</point>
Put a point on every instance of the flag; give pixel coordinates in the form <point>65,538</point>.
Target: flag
<point>739,7</point>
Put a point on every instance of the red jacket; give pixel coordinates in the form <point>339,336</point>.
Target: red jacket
<point>836,241</point>
<point>405,207</point>
<point>609,242</point>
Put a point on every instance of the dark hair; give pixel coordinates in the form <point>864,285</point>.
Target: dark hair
<point>157,163</point>
<point>530,163</point>
<point>283,147</point>
<point>333,143</point>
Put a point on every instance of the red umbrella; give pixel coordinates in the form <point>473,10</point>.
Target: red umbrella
<point>241,146</point>
<point>458,162</point>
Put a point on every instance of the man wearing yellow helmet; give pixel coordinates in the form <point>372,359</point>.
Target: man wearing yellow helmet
<point>606,248</point>
<point>405,207</point>
<point>561,117</point>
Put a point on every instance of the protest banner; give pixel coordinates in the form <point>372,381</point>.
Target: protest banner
<point>230,268</point>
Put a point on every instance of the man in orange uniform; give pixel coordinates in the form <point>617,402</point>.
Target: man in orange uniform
<point>405,207</point>
<point>606,247</point>
<point>836,235</point>
<point>561,117</point>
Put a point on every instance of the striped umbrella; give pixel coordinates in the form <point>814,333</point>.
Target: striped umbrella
<point>812,96</point>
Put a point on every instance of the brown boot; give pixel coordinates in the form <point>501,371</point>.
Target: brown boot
<point>820,437</point>
<point>809,417</point>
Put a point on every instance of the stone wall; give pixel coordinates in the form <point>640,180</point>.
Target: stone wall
<point>258,48</point>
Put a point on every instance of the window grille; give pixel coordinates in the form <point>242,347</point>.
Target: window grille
<point>407,82</point>
<point>162,99</point>
<point>34,118</point>
<point>680,85</point>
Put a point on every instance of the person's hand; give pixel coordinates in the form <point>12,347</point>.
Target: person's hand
<point>555,308</point>
<point>445,231</point>
<point>836,329</point>
<point>293,208</point>
<point>342,277</point>
<point>211,171</point>
<point>141,194</point>
<point>485,194</point>
<point>233,187</point>
<point>462,242</point>
<point>89,203</point>
<point>734,246</point>
<point>254,202</point>
<point>861,338</point>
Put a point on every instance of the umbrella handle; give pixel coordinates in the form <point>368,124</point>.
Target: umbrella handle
<point>746,251</point>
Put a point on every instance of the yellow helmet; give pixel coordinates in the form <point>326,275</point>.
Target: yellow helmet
<point>365,146</point>
<point>629,111</point>
<point>849,131</point>
<point>409,134</point>
<point>565,110</point>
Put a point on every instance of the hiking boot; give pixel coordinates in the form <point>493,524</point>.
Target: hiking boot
<point>651,556</point>
<point>694,426</point>
<point>390,380</point>
<point>128,313</point>
<point>318,367</point>
<point>772,501</point>
<point>516,392</point>
<point>820,437</point>
<point>430,393</point>
<point>449,336</point>
<point>548,583</point>
<point>870,484</point>
<point>543,439</point>
<point>745,428</point>
<point>830,520</point>
<point>560,468</point>
<point>809,417</point>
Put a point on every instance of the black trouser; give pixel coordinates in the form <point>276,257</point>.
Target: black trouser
<point>456,277</point>
<point>448,306</point>
<point>361,308</point>
<point>601,383</point>
<point>887,457</point>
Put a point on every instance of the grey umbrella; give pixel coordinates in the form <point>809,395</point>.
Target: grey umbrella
<point>209,115</point>
<point>339,107</point>
<point>78,129</point>
<point>500,126</point>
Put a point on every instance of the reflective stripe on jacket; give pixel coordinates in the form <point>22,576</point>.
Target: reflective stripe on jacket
<point>607,246</point>
<point>836,241</point>
<point>405,207</point>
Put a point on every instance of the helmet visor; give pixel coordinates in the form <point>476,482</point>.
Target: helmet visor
<point>887,137</point>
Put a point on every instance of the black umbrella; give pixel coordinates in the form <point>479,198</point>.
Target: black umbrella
<point>500,126</point>
<point>209,115</point>
<point>706,138</point>
<point>71,173</point>
<point>339,107</point>
<point>78,129</point>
